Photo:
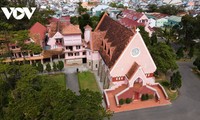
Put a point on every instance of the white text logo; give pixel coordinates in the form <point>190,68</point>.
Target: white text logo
<point>23,11</point>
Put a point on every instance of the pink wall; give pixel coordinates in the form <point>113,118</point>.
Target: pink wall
<point>93,55</point>
<point>127,94</point>
<point>72,40</point>
<point>126,60</point>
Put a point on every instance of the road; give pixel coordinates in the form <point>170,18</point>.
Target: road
<point>186,107</point>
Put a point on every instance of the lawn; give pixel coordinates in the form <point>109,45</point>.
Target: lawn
<point>60,79</point>
<point>87,81</point>
<point>165,84</point>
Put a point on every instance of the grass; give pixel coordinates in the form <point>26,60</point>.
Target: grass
<point>87,81</point>
<point>60,79</point>
<point>165,84</point>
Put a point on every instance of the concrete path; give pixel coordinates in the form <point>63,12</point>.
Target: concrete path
<point>186,107</point>
<point>72,82</point>
<point>72,78</point>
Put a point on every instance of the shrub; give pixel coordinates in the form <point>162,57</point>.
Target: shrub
<point>48,67</point>
<point>40,67</point>
<point>60,65</point>
<point>128,100</point>
<point>121,101</point>
<point>147,96</point>
<point>54,67</point>
<point>144,97</point>
<point>175,81</point>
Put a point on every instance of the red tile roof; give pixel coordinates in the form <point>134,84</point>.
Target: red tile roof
<point>132,14</point>
<point>65,19</point>
<point>130,23</point>
<point>158,15</point>
<point>37,33</point>
<point>63,28</point>
<point>116,39</point>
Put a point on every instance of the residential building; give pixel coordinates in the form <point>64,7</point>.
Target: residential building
<point>130,18</point>
<point>157,19</point>
<point>68,38</point>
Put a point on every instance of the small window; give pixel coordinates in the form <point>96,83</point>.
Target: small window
<point>70,54</point>
<point>105,47</point>
<point>96,66</point>
<point>78,47</point>
<point>84,53</point>
<point>77,54</point>
<point>102,43</point>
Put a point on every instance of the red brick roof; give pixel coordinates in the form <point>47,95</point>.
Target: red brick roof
<point>37,33</point>
<point>65,19</point>
<point>63,28</point>
<point>116,39</point>
<point>132,14</point>
<point>158,15</point>
<point>130,23</point>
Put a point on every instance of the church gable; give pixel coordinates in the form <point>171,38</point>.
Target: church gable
<point>136,51</point>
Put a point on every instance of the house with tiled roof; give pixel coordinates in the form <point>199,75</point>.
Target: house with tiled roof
<point>157,19</point>
<point>68,38</point>
<point>124,64</point>
<point>130,19</point>
<point>37,36</point>
<point>38,33</point>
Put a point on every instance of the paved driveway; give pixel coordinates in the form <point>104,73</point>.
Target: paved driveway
<point>186,107</point>
<point>72,79</point>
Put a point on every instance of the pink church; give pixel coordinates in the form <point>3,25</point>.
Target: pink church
<point>124,65</point>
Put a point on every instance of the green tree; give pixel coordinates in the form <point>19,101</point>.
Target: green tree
<point>81,10</point>
<point>152,8</point>
<point>74,20</point>
<point>113,4</point>
<point>164,57</point>
<point>179,53</point>
<point>94,20</point>
<point>175,81</point>
<point>40,67</point>
<point>170,9</point>
<point>60,65</point>
<point>48,67</point>
<point>54,67</point>
<point>145,35</point>
<point>191,52</point>
<point>153,39</point>
<point>197,62</point>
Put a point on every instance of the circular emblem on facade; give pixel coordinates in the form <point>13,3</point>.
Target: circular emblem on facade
<point>135,52</point>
